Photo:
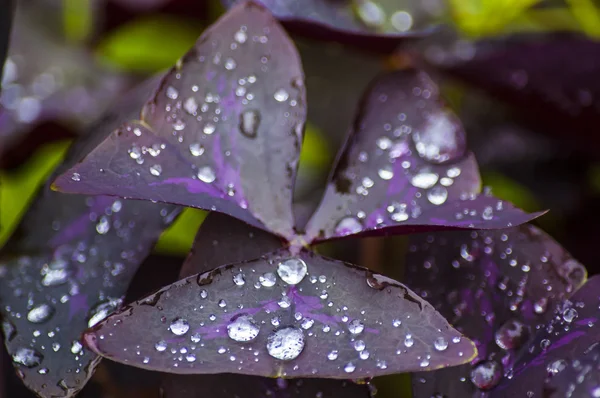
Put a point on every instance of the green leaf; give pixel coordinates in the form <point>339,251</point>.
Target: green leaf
<point>179,237</point>
<point>149,44</point>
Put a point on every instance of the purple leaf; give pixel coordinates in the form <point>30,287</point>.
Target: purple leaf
<point>551,79</point>
<point>496,288</point>
<point>383,23</point>
<point>578,377</point>
<point>68,266</point>
<point>569,338</point>
<point>282,316</point>
<point>224,240</point>
<point>244,386</point>
<point>406,168</point>
<point>222,132</point>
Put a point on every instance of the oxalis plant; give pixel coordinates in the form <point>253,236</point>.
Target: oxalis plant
<point>222,131</point>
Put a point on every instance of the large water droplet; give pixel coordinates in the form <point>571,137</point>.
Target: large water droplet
<point>268,279</point>
<point>286,343</point>
<point>281,95</point>
<point>27,357</point>
<point>292,270</point>
<point>424,179</point>
<point>440,344</point>
<point>348,226</point>
<point>569,314</point>
<point>206,174</point>
<point>179,326</point>
<point>511,334</point>
<point>437,195</point>
<point>102,310</point>
<point>196,149</point>
<point>243,328</point>
<point>486,375</point>
<point>161,346</point>
<point>356,326</point>
<point>40,313</point>
<point>249,122</point>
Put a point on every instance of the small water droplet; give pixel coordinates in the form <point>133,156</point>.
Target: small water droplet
<point>556,366</point>
<point>249,122</point>
<point>356,326</point>
<point>243,328</point>
<point>161,346</point>
<point>401,21</point>
<point>348,226</point>
<point>349,367</point>
<point>286,343</point>
<point>103,225</point>
<point>267,279</point>
<point>386,173</point>
<point>424,179</point>
<point>239,280</point>
<point>333,354</point>
<point>437,195</point>
<point>409,341</point>
<point>179,326</point>
<point>440,344</point>
<point>240,36</point>
<point>281,95</point>
<point>191,106</point>
<point>76,177</point>
<point>209,128</point>
<point>40,313</point>
<point>206,174</point>
<point>172,92</point>
<point>196,149</point>
<point>487,213</point>
<point>76,347</point>
<point>569,314</point>
<point>156,170</point>
<point>292,270</point>
<point>27,357</point>
<point>370,13</point>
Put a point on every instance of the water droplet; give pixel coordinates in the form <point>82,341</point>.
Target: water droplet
<point>556,366</point>
<point>196,149</point>
<point>348,226</point>
<point>76,347</point>
<point>349,367</point>
<point>40,313</point>
<point>307,323</point>
<point>240,36</point>
<point>409,341</point>
<point>281,95</point>
<point>386,173</point>
<point>284,302</point>
<point>239,280</point>
<point>230,64</point>
<point>242,328</point>
<point>487,213</point>
<point>541,305</point>
<point>179,326</point>
<point>267,279</point>
<point>103,225</point>
<point>190,105</point>
<point>486,375</point>
<point>511,334</point>
<point>27,357</point>
<point>249,122</point>
<point>209,128</point>
<point>401,21</point>
<point>359,345</point>
<point>437,195</point>
<point>161,346</point>
<point>172,92</point>
<point>569,314</point>
<point>156,170</point>
<point>440,344</point>
<point>292,270</point>
<point>286,343</point>
<point>333,354</point>
<point>76,177</point>
<point>206,174</point>
<point>356,327</point>
<point>441,140</point>
<point>370,13</point>
<point>102,310</point>
<point>55,277</point>
<point>424,179</point>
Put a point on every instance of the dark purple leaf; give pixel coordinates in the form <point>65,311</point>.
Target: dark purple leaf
<point>46,80</point>
<point>67,266</point>
<point>551,79</point>
<point>406,168</point>
<point>224,240</point>
<point>244,386</point>
<point>385,21</point>
<point>570,337</point>
<point>223,131</point>
<point>330,319</point>
<point>496,288</point>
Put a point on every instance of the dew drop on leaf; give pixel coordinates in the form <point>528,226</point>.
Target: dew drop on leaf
<point>440,344</point>
<point>40,313</point>
<point>249,122</point>
<point>292,270</point>
<point>206,174</point>
<point>267,279</point>
<point>161,346</point>
<point>348,226</point>
<point>511,334</point>
<point>356,326</point>
<point>486,375</point>
<point>281,95</point>
<point>424,179</point>
<point>286,343</point>
<point>437,195</point>
<point>27,357</point>
<point>179,326</point>
<point>196,149</point>
<point>243,328</point>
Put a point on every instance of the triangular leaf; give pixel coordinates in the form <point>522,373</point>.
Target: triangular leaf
<point>222,132</point>
<point>282,316</point>
<point>496,288</point>
<point>406,168</point>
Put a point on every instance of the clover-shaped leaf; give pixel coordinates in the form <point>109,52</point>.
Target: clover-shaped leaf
<point>222,132</point>
<point>284,315</point>
<point>224,240</point>
<point>67,267</point>
<point>378,19</point>
<point>567,343</point>
<point>406,168</point>
<point>496,288</point>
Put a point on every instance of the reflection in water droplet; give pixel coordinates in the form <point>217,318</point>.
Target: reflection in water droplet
<point>292,270</point>
<point>355,326</point>
<point>206,174</point>
<point>569,314</point>
<point>349,367</point>
<point>196,149</point>
<point>27,357</point>
<point>424,179</point>
<point>286,343</point>
<point>386,173</point>
<point>348,226</point>
<point>440,344</point>
<point>156,170</point>
<point>437,195</point>
<point>242,328</point>
<point>76,177</point>
<point>268,279</point>
<point>40,313</point>
<point>179,326</point>
<point>249,122</point>
<point>190,105</point>
<point>511,334</point>
<point>486,375</point>
<point>487,213</point>
<point>161,346</point>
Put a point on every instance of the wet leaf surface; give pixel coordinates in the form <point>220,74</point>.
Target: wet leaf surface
<point>223,131</point>
<point>496,288</point>
<point>567,343</point>
<point>224,240</point>
<point>5,27</point>
<point>46,80</point>
<point>406,168</point>
<point>282,316</point>
<point>372,19</point>
<point>67,266</point>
